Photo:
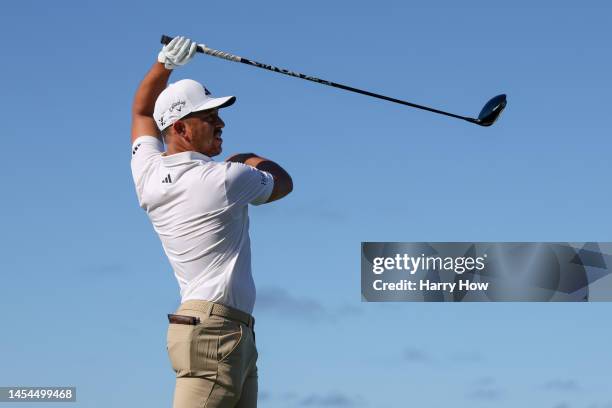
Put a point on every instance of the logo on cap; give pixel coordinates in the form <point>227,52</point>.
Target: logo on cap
<point>177,105</point>
<point>207,92</point>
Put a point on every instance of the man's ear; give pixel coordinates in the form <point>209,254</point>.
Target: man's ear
<point>179,127</point>
<point>182,130</point>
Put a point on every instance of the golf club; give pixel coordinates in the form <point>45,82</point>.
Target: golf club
<point>488,115</point>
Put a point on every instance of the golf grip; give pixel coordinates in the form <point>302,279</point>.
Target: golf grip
<point>165,39</point>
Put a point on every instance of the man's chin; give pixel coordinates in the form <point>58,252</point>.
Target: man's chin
<point>215,153</point>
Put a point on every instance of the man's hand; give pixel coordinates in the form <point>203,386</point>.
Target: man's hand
<point>178,52</point>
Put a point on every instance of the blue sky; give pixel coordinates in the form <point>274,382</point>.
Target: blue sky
<point>86,286</point>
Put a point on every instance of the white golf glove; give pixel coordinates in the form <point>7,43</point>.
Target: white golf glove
<point>177,52</point>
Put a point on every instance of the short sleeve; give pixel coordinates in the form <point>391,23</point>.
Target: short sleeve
<point>145,151</point>
<point>245,184</point>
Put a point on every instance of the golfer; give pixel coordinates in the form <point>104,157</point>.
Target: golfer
<point>199,209</point>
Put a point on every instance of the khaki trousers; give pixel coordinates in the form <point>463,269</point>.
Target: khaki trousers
<point>214,359</point>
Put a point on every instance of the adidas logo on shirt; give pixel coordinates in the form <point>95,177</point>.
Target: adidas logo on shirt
<point>136,149</point>
<point>167,179</point>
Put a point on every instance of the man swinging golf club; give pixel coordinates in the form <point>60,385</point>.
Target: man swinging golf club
<point>199,209</point>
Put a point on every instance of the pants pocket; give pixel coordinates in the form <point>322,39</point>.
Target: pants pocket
<point>230,338</point>
<point>196,350</point>
<point>179,347</point>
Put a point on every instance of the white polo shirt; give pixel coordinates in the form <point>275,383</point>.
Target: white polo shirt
<point>199,209</point>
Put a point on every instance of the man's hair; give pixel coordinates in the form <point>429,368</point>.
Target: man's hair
<point>165,133</point>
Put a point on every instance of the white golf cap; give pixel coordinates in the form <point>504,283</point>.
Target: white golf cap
<point>181,98</point>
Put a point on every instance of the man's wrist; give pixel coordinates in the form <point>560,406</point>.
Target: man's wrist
<point>164,66</point>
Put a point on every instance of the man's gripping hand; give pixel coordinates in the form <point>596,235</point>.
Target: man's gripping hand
<point>178,52</point>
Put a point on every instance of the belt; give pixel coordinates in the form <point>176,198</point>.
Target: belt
<point>220,310</point>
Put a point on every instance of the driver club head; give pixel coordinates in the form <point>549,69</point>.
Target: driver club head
<point>491,111</point>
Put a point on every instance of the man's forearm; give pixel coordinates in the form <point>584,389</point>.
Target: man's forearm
<point>149,89</point>
<point>251,159</point>
<point>283,184</point>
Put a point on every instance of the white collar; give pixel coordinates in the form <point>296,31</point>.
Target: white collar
<point>183,157</point>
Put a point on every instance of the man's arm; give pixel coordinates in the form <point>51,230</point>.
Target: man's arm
<point>144,101</point>
<point>283,184</point>
<point>178,52</point>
